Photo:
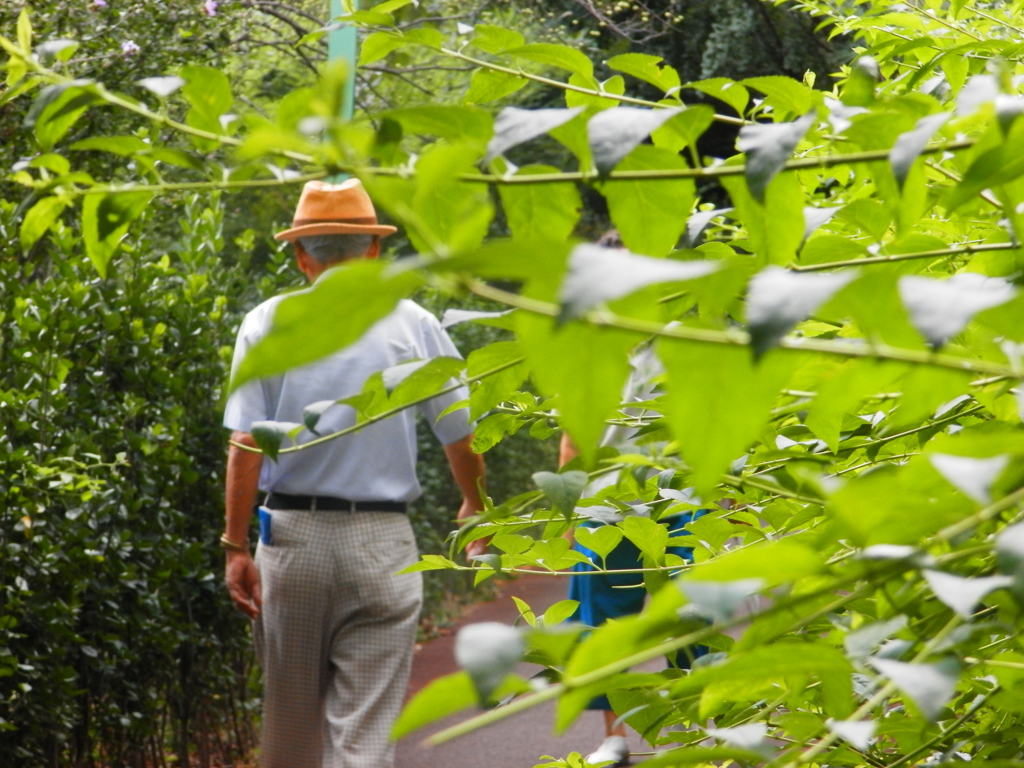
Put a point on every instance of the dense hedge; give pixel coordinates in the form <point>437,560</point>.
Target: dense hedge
<point>117,641</point>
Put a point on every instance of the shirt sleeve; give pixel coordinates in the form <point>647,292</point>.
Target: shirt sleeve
<point>455,425</point>
<point>247,403</point>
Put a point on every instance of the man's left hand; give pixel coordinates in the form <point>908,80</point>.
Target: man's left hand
<point>479,546</point>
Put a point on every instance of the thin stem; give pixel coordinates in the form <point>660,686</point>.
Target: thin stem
<point>388,413</point>
<point>1006,24</point>
<point>718,171</point>
<point>102,189</point>
<point>575,88</point>
<point>741,338</point>
<point>739,482</point>
<point>867,261</point>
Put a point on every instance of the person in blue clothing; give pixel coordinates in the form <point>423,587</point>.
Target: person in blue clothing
<point>605,596</point>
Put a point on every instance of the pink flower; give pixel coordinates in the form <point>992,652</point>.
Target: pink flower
<point>97,4</point>
<point>129,48</point>
<point>210,7</point>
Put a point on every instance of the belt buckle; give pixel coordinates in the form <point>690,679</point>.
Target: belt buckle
<point>312,504</point>
<point>352,507</point>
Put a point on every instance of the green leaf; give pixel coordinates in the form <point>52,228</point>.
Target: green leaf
<point>377,45</point>
<point>270,434</point>
<point>909,145</point>
<point>442,697</point>
<point>348,299</point>
<point>773,563</point>
<point>597,274</point>
<point>650,217</point>
<point>872,508</point>
<point>488,652</point>
<point>614,133</point>
<point>457,123</point>
<point>842,393</point>
<point>859,89</point>
<point>208,90</point>
<point>25,30</point>
<point>564,489</point>
<point>650,537</point>
<point>929,686</point>
<point>525,611</point>
<point>787,96</point>
<point>559,612</point>
<point>768,146</point>
<point>556,356</point>
<point>549,210</point>
<point>390,6</point>
<point>684,129</point>
<point>778,299</point>
<point>499,387</point>
<point>723,89</point>
<point>117,145</point>
<point>601,540</point>
<point>492,430</point>
<point>429,563</point>
<point>489,85</point>
<point>448,212</point>
<point>58,107</point>
<point>646,67</point>
<point>491,39</point>
<point>775,229</point>
<point>561,56</point>
<point>514,126</point>
<point>614,86</point>
<point>39,219</point>
<point>105,221</point>
<point>718,401</point>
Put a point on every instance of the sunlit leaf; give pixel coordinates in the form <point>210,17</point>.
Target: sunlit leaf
<point>963,595</point>
<point>514,126</point>
<point>929,686</point>
<point>940,309</point>
<point>488,651</point>
<point>909,145</point>
<point>614,133</point>
<point>779,299</point>
<point>768,146</point>
<point>599,274</point>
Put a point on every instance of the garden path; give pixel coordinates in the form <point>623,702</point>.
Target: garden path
<point>520,741</point>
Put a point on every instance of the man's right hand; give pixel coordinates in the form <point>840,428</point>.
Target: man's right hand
<point>243,580</point>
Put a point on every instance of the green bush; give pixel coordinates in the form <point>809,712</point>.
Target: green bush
<point>114,618</point>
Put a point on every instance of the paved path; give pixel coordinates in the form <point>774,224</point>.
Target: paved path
<point>520,741</point>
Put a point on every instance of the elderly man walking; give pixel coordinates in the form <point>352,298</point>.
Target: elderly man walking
<point>334,626</point>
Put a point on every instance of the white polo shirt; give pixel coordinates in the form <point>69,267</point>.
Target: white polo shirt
<point>377,463</point>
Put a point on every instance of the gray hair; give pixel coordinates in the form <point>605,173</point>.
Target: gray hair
<point>328,249</point>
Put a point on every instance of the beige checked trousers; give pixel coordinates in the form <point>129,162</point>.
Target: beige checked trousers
<point>335,636</point>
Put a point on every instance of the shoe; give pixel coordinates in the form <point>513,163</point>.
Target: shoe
<point>614,749</point>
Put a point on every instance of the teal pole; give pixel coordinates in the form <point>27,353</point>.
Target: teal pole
<point>343,43</point>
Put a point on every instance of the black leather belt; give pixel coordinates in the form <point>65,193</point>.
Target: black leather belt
<point>331,504</point>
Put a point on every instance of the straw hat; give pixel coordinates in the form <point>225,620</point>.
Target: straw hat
<point>334,209</point>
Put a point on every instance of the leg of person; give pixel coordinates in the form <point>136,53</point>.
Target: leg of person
<point>604,596</point>
<point>295,572</point>
<point>371,646</point>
